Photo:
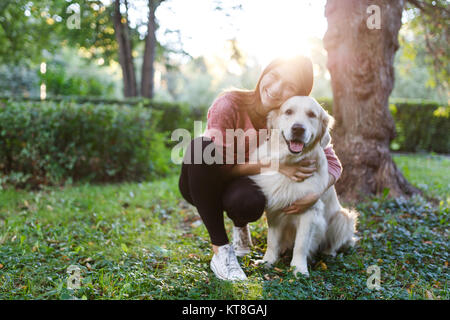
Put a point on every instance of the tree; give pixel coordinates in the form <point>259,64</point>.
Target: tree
<point>124,42</point>
<point>148,71</point>
<point>360,61</point>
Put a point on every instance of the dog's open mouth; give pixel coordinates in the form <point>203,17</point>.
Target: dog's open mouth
<point>294,146</point>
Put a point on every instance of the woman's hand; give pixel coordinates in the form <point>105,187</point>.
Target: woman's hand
<point>299,171</point>
<point>302,204</point>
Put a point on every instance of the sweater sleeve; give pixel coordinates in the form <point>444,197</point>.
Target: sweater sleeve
<point>221,116</point>
<point>334,165</point>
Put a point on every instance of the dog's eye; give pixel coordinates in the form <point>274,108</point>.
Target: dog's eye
<point>288,112</point>
<point>311,114</point>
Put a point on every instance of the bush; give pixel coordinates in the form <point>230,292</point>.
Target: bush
<point>420,125</point>
<point>97,140</point>
<point>58,82</point>
<point>48,143</point>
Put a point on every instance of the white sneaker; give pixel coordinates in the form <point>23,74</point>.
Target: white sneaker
<point>225,264</point>
<point>242,240</point>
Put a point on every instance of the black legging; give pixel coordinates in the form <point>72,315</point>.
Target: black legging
<point>206,187</point>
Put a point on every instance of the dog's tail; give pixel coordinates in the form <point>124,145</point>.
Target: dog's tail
<point>341,231</point>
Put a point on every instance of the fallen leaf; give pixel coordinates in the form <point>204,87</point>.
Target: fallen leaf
<point>322,265</point>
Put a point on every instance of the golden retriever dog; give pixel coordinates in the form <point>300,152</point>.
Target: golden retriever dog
<point>300,130</point>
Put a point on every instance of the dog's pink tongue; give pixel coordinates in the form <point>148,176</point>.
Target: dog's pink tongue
<point>296,146</point>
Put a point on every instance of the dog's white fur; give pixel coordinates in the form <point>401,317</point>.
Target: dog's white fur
<point>326,226</point>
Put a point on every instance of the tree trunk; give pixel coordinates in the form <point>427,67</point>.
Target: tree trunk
<point>147,82</point>
<point>360,61</point>
<point>125,52</point>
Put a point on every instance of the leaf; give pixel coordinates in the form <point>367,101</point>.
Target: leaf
<point>124,247</point>
<point>385,193</point>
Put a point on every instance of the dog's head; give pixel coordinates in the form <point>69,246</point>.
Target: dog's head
<point>302,122</point>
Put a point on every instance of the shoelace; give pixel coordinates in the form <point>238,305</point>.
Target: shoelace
<point>231,261</point>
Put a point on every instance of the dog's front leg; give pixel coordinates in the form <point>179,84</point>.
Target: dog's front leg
<point>304,237</point>
<point>273,243</point>
<point>273,246</point>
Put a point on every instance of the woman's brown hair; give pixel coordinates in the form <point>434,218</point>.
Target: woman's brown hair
<point>299,64</point>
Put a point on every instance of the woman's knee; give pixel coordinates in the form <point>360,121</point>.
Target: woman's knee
<point>244,204</point>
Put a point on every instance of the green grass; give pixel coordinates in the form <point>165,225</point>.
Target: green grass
<point>141,241</point>
<point>429,172</point>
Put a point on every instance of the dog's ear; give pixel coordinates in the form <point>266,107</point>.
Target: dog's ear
<point>326,122</point>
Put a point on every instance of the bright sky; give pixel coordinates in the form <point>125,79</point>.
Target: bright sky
<point>264,29</point>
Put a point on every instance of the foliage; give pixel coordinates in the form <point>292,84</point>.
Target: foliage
<point>429,19</point>
<point>25,30</point>
<point>18,80</point>
<point>49,143</point>
<point>140,241</point>
<point>414,75</point>
<point>421,126</point>
<point>59,82</point>
<point>29,27</point>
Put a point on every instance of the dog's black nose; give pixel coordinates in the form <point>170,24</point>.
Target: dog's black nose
<point>298,129</point>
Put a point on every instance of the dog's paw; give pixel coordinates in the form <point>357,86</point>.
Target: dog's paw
<point>264,263</point>
<point>329,252</point>
<point>353,241</point>
<point>300,267</point>
<point>301,270</point>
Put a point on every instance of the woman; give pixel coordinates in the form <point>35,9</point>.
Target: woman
<point>214,188</point>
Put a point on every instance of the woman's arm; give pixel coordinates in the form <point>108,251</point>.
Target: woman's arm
<point>299,172</point>
<point>245,169</point>
<point>334,172</point>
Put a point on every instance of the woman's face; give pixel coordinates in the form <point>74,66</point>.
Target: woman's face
<point>276,86</point>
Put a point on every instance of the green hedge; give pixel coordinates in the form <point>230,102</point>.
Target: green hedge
<point>48,143</point>
<point>115,140</point>
<point>420,125</point>
<point>173,114</point>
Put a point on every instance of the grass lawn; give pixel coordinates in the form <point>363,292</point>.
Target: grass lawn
<point>430,173</point>
<point>141,241</point>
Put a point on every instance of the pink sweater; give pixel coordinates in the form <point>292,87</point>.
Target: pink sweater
<point>226,114</point>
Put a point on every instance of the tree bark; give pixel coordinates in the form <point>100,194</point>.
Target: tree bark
<point>360,61</point>
<point>125,52</point>
<point>147,80</point>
